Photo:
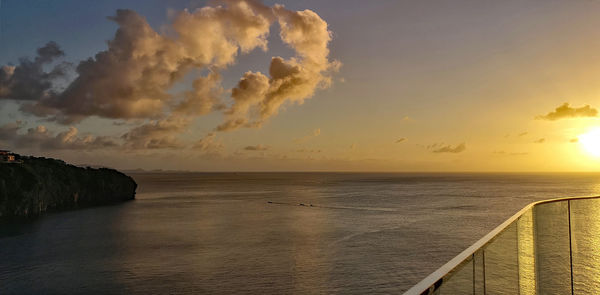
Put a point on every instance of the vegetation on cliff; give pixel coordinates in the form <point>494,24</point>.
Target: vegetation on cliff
<point>33,186</point>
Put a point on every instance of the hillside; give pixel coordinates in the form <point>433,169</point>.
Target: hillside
<point>31,186</point>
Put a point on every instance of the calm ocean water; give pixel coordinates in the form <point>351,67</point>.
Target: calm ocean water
<point>245,233</point>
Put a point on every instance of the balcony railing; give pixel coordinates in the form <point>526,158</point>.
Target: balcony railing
<point>549,247</point>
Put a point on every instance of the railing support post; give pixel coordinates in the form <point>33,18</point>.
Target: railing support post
<point>570,246</point>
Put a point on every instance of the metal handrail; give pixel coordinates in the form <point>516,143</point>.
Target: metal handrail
<point>435,279</point>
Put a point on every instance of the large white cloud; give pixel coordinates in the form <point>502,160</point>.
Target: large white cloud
<point>258,97</point>
<point>133,77</point>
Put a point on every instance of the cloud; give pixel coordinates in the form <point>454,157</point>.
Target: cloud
<point>401,140</point>
<point>574,140</point>
<point>132,79</point>
<point>449,149</point>
<point>9,131</point>
<point>41,138</point>
<point>203,98</point>
<point>259,147</point>
<point>522,134</point>
<point>305,138</point>
<point>28,81</point>
<point>564,111</point>
<point>71,140</point>
<point>308,151</point>
<point>541,140</point>
<point>157,134</point>
<point>208,143</point>
<point>511,153</point>
<point>258,97</point>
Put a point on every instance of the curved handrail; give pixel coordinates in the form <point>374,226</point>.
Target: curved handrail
<point>435,278</point>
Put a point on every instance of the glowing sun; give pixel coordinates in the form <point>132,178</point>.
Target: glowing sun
<point>591,141</point>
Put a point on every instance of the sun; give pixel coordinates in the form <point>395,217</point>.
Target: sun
<point>591,141</point>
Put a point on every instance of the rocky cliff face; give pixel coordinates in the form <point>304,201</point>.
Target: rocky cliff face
<point>38,185</point>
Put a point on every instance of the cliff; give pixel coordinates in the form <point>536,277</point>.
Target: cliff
<point>32,186</point>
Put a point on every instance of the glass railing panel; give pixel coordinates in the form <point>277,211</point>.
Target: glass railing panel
<point>479,283</point>
<point>459,280</point>
<point>552,248</point>
<point>585,239</point>
<point>501,263</point>
<point>526,254</point>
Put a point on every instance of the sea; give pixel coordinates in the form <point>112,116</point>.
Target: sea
<point>270,233</point>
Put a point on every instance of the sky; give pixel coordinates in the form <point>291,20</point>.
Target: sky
<point>439,86</point>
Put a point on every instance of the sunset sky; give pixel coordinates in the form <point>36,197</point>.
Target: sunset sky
<point>307,86</point>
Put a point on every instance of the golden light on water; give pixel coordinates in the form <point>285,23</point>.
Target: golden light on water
<point>590,141</point>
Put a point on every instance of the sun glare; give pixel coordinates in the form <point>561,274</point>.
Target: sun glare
<point>591,142</point>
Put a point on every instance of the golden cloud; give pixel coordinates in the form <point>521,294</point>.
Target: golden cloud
<point>565,111</point>
<point>133,77</point>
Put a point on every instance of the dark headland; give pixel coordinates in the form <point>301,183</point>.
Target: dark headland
<point>30,186</point>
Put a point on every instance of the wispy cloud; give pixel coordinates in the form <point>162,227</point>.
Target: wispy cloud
<point>305,138</point>
<point>451,149</point>
<point>41,138</point>
<point>504,153</point>
<point>157,134</point>
<point>541,140</point>
<point>258,147</point>
<point>209,143</point>
<point>308,151</point>
<point>401,140</point>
